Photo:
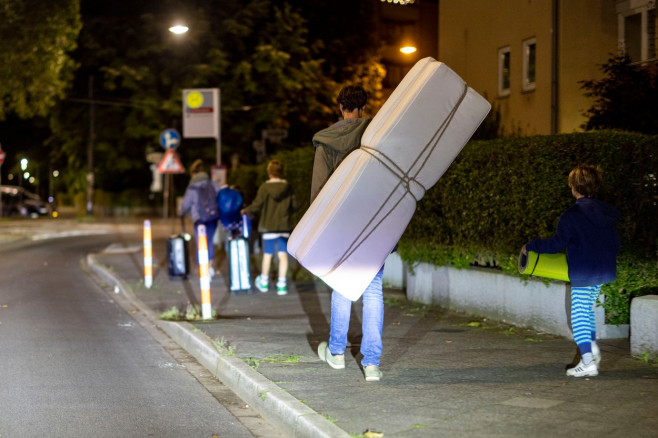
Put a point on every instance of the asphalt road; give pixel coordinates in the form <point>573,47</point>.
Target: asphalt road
<point>73,363</point>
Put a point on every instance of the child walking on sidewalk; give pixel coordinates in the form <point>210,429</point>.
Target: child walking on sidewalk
<point>276,203</point>
<point>588,232</point>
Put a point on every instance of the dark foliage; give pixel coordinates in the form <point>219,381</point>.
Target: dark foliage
<point>625,98</point>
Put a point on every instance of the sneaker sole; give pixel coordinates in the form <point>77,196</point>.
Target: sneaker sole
<point>589,374</point>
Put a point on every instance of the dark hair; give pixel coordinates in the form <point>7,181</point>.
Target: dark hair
<point>586,179</point>
<point>352,97</point>
<point>275,168</point>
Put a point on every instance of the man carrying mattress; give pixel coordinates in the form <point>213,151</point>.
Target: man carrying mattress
<point>332,145</point>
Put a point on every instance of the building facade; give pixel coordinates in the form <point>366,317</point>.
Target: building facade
<point>405,24</point>
<point>528,57</point>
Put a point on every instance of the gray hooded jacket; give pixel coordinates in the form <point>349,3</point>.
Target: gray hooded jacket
<point>332,145</point>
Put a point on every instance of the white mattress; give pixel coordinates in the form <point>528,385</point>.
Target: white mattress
<point>363,209</point>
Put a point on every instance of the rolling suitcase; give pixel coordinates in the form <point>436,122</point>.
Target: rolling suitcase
<point>239,272</point>
<point>178,250</point>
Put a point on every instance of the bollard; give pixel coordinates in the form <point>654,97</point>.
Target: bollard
<point>148,255</point>
<point>204,274</point>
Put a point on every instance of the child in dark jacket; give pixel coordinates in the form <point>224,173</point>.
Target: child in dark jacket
<point>276,203</point>
<point>588,232</point>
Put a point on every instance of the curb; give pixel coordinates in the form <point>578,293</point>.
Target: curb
<point>272,402</point>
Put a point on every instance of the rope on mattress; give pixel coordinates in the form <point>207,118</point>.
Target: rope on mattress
<point>405,180</point>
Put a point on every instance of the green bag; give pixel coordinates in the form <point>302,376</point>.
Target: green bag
<point>552,266</point>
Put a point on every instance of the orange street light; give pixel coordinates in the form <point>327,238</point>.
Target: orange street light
<point>408,50</point>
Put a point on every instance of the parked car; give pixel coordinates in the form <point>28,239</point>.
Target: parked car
<point>16,201</point>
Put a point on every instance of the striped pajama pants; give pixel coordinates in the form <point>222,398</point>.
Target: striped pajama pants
<point>582,314</point>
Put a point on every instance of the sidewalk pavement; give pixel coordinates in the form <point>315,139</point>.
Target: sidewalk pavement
<point>445,374</point>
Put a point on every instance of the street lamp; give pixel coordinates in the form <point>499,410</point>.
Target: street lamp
<point>408,50</point>
<point>178,29</point>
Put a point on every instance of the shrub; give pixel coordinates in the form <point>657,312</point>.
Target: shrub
<point>499,194</point>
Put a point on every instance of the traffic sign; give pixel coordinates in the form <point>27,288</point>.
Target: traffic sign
<point>170,163</point>
<point>201,113</point>
<point>169,138</point>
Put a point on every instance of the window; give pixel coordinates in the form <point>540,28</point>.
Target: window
<point>529,64</point>
<point>504,71</point>
<point>637,32</point>
<point>651,34</point>
<point>633,36</point>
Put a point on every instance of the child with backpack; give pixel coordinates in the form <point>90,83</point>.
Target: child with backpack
<point>200,202</point>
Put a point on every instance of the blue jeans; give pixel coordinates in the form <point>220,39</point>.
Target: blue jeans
<point>371,324</point>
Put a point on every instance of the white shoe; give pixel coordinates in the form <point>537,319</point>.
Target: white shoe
<point>596,354</point>
<point>372,373</point>
<point>582,370</point>
<point>262,284</point>
<point>281,288</point>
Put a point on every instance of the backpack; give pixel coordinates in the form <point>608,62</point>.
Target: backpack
<point>207,206</point>
<point>229,202</point>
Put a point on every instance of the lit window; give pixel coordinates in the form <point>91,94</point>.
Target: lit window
<point>504,71</point>
<point>529,64</point>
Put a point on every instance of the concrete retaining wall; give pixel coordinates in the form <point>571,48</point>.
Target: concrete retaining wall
<point>483,292</point>
<point>644,326</point>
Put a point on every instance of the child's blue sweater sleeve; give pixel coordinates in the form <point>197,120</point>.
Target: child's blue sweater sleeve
<point>555,243</point>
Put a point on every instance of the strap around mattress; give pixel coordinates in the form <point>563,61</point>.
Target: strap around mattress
<point>408,181</point>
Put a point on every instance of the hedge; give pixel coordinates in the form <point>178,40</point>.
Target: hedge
<point>498,194</point>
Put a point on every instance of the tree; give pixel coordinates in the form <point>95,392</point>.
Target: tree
<point>260,53</point>
<point>625,98</point>
<point>36,67</point>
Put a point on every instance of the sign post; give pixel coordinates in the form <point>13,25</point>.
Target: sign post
<point>202,116</point>
<point>170,164</point>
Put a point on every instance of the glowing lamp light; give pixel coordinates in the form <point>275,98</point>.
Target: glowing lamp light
<point>407,50</point>
<point>178,29</point>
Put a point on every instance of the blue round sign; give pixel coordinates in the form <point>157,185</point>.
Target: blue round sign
<point>169,138</point>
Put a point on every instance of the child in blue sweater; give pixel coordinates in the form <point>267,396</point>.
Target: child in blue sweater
<point>588,232</point>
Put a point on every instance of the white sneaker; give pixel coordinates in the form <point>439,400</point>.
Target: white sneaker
<point>281,288</point>
<point>582,370</point>
<point>596,353</point>
<point>261,284</point>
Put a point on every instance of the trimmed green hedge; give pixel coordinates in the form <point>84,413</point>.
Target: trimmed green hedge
<point>498,194</point>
